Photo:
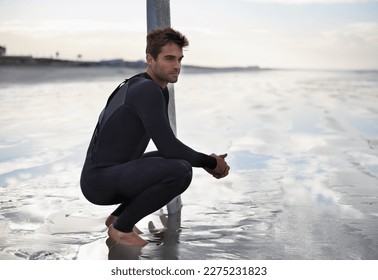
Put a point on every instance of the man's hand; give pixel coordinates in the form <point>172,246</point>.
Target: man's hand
<point>222,169</point>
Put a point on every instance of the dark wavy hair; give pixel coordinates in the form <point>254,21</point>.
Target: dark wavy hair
<point>158,38</point>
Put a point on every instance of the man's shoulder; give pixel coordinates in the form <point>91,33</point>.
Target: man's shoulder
<point>141,87</point>
<point>141,80</point>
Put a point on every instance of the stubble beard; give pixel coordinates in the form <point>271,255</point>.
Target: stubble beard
<point>166,78</point>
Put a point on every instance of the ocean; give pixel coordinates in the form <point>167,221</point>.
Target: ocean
<point>302,146</point>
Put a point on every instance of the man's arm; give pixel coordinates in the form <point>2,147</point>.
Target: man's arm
<point>149,105</point>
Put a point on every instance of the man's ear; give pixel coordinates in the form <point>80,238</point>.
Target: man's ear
<point>149,59</point>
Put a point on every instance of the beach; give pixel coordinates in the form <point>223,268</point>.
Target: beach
<point>302,146</point>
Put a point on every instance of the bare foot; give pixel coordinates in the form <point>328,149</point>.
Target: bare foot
<point>126,238</point>
<point>111,219</point>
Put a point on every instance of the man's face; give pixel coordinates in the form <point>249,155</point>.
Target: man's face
<point>166,67</point>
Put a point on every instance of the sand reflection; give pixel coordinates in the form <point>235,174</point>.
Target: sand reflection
<point>303,151</point>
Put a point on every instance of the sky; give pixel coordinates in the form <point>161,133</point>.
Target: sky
<point>310,34</point>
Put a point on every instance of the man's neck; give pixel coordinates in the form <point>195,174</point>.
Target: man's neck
<point>160,83</point>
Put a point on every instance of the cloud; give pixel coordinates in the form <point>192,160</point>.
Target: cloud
<point>68,26</point>
<point>352,46</point>
<point>354,35</point>
<point>72,36</point>
<point>368,31</point>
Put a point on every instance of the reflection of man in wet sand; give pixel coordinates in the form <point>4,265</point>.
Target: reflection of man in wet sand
<point>116,170</point>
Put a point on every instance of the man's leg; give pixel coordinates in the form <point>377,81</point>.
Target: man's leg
<point>149,184</point>
<point>114,215</point>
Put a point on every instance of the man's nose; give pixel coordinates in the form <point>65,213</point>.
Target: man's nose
<point>177,64</point>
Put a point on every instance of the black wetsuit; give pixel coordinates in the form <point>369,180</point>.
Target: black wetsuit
<point>116,169</point>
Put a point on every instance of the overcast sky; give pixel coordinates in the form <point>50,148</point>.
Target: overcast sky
<point>330,34</point>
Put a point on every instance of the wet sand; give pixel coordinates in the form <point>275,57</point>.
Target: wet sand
<point>303,151</point>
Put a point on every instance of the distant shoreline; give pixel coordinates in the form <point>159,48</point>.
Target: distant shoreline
<point>36,73</point>
<point>32,61</point>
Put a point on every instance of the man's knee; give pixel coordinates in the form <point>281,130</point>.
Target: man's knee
<point>185,173</point>
<point>185,168</point>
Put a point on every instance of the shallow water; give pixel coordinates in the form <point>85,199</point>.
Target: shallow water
<point>303,151</point>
